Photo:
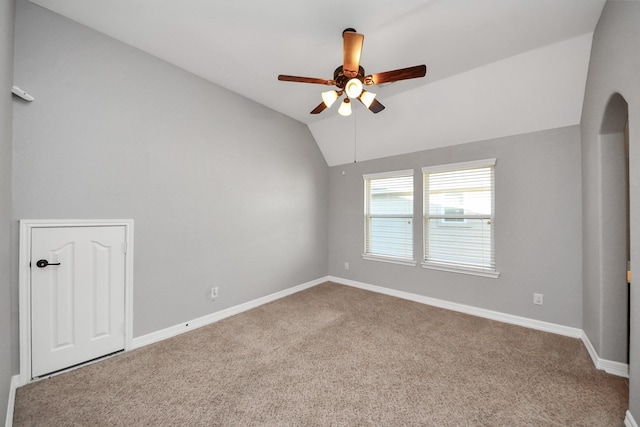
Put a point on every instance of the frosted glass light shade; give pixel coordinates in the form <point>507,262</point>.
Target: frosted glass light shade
<point>345,108</point>
<point>353,88</point>
<point>329,97</point>
<point>367,98</point>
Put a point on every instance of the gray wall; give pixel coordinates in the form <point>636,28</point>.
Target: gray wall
<point>537,222</point>
<point>223,191</point>
<point>614,68</point>
<point>6,114</point>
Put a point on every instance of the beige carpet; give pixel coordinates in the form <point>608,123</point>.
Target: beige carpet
<point>334,355</point>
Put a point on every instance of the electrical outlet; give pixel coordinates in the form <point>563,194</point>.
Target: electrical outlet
<point>346,265</point>
<point>538,299</point>
<point>213,293</point>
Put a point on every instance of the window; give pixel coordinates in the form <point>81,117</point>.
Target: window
<point>388,217</point>
<point>459,217</point>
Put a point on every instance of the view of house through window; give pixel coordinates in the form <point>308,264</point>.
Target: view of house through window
<point>389,216</point>
<point>458,216</point>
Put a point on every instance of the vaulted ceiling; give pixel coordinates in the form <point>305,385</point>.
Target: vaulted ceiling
<point>494,67</point>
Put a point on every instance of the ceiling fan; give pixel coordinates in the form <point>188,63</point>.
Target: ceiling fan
<point>350,78</point>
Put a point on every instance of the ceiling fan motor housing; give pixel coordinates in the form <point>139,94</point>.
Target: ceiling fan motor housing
<point>341,79</point>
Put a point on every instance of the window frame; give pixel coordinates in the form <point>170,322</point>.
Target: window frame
<point>454,267</point>
<point>380,257</point>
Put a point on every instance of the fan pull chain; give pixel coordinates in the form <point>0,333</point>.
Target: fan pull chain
<point>355,135</point>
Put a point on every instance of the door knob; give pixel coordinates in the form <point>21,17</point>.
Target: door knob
<point>42,263</point>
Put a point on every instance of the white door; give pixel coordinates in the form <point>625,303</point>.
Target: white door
<point>77,295</point>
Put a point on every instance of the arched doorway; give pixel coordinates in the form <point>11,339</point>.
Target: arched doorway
<point>613,145</point>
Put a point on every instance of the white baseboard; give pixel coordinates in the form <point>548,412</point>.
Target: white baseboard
<point>15,381</point>
<point>219,315</point>
<point>467,309</point>
<point>629,421</point>
<point>613,368</point>
<point>610,367</point>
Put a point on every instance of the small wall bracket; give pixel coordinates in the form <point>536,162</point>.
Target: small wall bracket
<point>22,94</point>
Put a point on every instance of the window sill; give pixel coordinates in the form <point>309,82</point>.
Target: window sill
<point>400,261</point>
<point>461,270</point>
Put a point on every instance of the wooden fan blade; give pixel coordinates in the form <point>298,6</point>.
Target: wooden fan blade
<point>352,51</point>
<point>396,75</point>
<point>319,109</point>
<point>298,79</point>
<point>376,106</point>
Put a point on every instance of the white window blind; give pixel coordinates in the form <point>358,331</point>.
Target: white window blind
<point>459,216</point>
<point>388,208</point>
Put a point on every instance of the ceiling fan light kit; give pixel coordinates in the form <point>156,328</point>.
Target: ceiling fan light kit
<point>345,108</point>
<point>329,97</point>
<point>353,88</point>
<point>350,78</point>
<point>367,98</point>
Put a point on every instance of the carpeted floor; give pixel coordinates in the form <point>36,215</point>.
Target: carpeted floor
<point>335,355</point>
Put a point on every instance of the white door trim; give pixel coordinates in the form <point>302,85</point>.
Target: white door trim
<point>24,281</point>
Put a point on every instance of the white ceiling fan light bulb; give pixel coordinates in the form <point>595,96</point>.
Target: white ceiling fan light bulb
<point>367,98</point>
<point>345,108</point>
<point>353,88</point>
<point>329,97</point>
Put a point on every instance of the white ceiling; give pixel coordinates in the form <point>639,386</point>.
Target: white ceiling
<point>494,67</point>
